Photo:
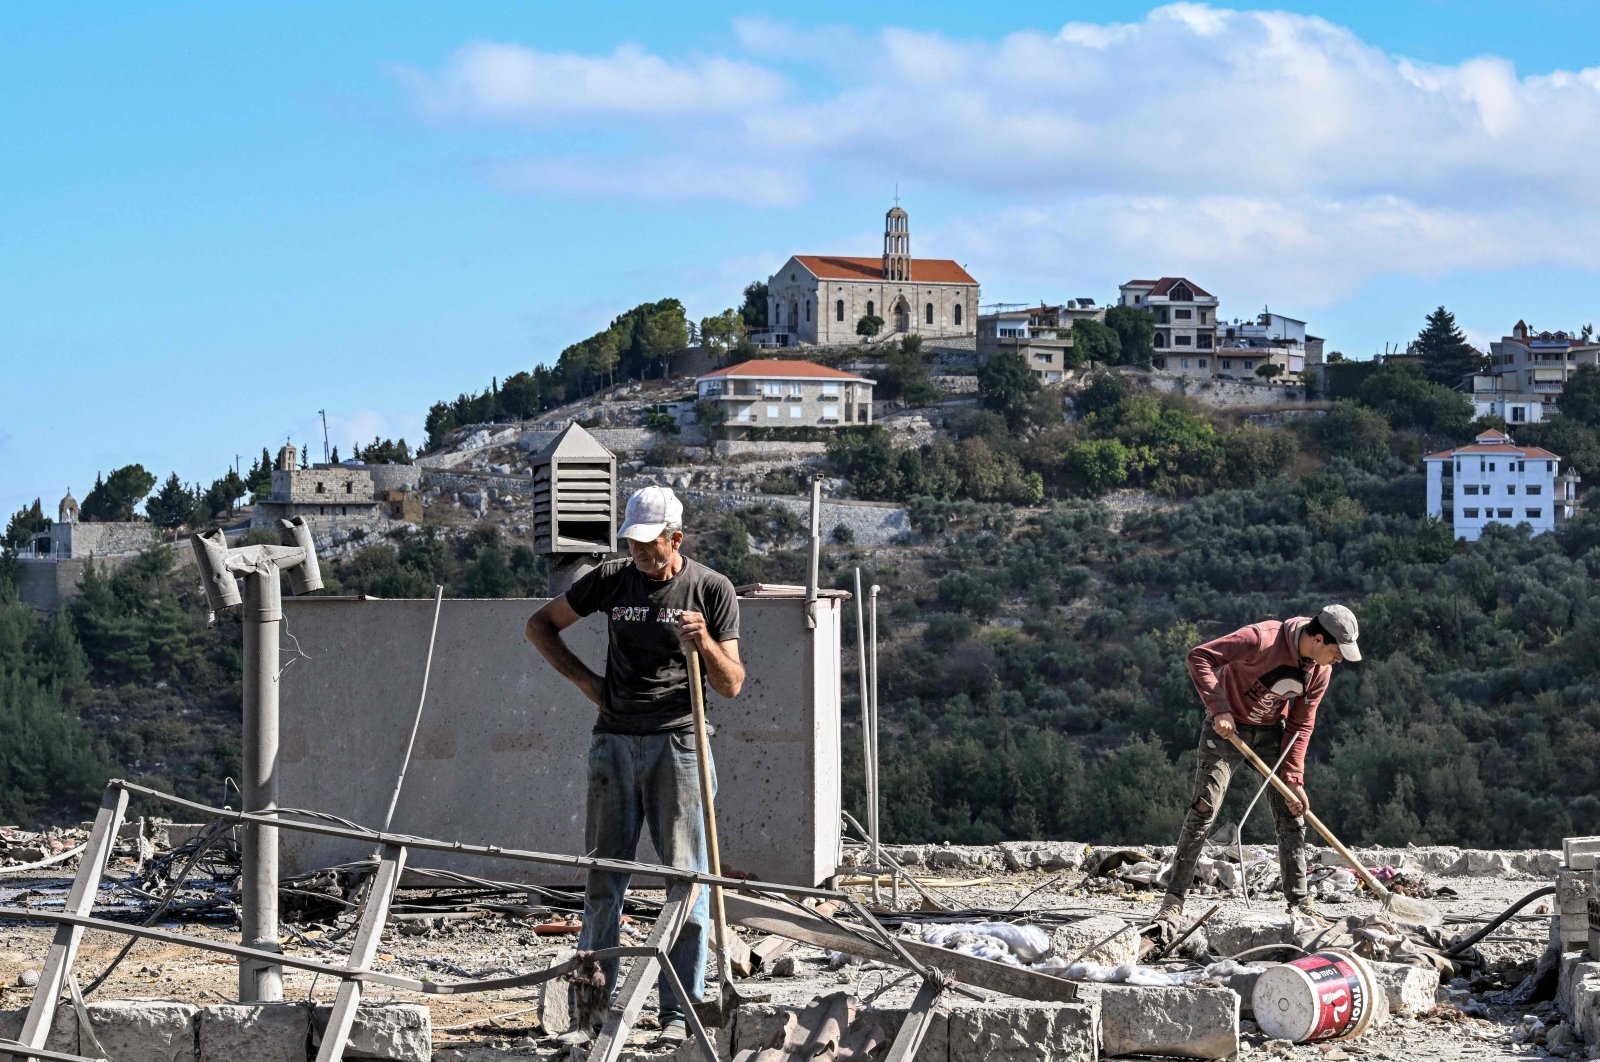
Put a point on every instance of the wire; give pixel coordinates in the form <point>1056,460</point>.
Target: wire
<point>1462,945</point>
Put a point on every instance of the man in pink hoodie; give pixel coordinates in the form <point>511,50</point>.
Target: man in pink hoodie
<point>1262,682</point>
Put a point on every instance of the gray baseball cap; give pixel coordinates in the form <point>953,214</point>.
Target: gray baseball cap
<point>1340,623</point>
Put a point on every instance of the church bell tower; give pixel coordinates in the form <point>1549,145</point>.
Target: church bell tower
<point>896,243</point>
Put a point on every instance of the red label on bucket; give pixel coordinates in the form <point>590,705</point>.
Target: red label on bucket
<point>1340,991</point>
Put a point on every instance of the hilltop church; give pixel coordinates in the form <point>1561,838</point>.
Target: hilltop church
<point>821,299</point>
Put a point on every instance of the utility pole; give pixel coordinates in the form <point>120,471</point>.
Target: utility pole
<point>326,457</point>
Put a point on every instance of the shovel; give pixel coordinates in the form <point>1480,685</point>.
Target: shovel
<point>1406,910</point>
<point>729,999</point>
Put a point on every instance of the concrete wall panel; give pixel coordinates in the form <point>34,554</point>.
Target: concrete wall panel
<point>501,754</point>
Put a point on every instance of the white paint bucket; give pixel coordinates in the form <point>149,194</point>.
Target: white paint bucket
<point>1330,995</point>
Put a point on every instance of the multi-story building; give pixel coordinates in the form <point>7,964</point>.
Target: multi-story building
<point>1185,316</point>
<point>1041,334</point>
<point>1494,481</point>
<point>768,393</point>
<point>1527,371</point>
<point>1271,339</point>
<point>822,299</point>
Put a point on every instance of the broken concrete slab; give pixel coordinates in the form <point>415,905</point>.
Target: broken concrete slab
<point>1069,941</point>
<point>1410,990</point>
<point>1233,935</point>
<point>764,1027</point>
<point>63,1028</point>
<point>149,1030</point>
<point>392,1032</point>
<point>1187,1021</point>
<point>555,999</point>
<point>255,1032</point>
<point>1035,1032</point>
<point>1042,855</point>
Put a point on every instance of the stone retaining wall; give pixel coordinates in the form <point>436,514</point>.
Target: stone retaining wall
<point>765,448</point>
<point>617,440</point>
<point>1228,394</point>
<point>870,524</point>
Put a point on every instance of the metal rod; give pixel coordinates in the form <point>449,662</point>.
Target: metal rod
<point>866,718</point>
<point>1238,831</point>
<point>516,855</point>
<point>872,793</point>
<point>816,552</point>
<point>258,847</point>
<point>416,722</point>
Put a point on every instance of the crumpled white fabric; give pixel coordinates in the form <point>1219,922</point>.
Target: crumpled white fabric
<point>1148,976</point>
<point>1005,942</point>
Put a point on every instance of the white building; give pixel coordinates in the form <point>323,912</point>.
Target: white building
<point>1495,481</point>
<point>769,393</point>
<point>1041,335</point>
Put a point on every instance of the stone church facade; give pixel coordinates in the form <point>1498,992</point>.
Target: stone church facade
<point>819,300</point>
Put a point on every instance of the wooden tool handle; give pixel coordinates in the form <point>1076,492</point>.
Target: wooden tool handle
<point>1327,835</point>
<point>697,698</point>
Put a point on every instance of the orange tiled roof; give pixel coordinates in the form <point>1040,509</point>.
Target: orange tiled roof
<point>923,270</point>
<point>1495,448</point>
<point>1166,284</point>
<point>777,367</point>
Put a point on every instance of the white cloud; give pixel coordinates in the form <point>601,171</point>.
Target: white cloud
<point>511,82</point>
<point>663,179</point>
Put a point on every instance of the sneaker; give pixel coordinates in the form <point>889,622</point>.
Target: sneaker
<point>1307,909</point>
<point>673,1031</point>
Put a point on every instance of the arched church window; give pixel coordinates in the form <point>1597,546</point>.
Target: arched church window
<point>870,310</point>
<point>838,310</point>
<point>808,309</point>
<point>958,313</point>
<point>927,314</point>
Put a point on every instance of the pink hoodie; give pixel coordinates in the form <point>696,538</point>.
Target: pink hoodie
<point>1237,674</point>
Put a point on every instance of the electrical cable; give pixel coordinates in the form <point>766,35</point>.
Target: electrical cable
<point>1462,945</point>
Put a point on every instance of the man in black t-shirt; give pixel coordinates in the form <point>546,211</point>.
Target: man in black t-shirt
<point>643,767</point>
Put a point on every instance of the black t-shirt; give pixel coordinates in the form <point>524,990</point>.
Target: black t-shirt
<point>647,673</point>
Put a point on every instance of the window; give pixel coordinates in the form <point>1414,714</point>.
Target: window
<point>838,310</point>
<point>349,488</point>
<point>1249,365</point>
<point>796,390</point>
<point>1183,315</point>
<point>1205,363</point>
<point>958,313</point>
<point>1205,340</point>
<point>1534,488</point>
<point>1183,363</point>
<point>796,412</point>
<point>771,389</point>
<point>927,314</point>
<point>1160,340</point>
<point>1519,414</point>
<point>1470,488</point>
<point>1505,514</point>
<point>744,413</point>
<point>1203,317</point>
<point>1491,466</point>
<point>1136,300</point>
<point>1549,466</point>
<point>870,311</point>
<point>1511,488</point>
<point>1534,514</point>
<point>830,413</point>
<point>774,411</point>
<point>1470,514</point>
<point>1044,359</point>
<point>1227,363</point>
<point>830,392</point>
<point>808,309</point>
<point>320,488</point>
<point>1183,341</point>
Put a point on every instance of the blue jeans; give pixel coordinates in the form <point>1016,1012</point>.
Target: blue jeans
<point>647,780</point>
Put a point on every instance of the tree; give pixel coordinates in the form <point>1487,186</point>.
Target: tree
<point>115,498</point>
<point>753,311</point>
<point>1580,398</point>
<point>904,376</point>
<point>1098,465</point>
<point>1006,386</point>
<point>172,506</point>
<point>1269,371</point>
<point>666,333</point>
<point>24,524</point>
<point>724,331</point>
<point>1094,342</point>
<point>1446,354</point>
<point>869,326</point>
<point>1402,394</point>
<point>1136,332</point>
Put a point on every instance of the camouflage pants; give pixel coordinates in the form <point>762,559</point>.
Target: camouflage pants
<point>1212,772</point>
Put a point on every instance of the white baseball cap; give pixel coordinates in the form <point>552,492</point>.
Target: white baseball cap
<point>649,511</point>
<point>1340,623</point>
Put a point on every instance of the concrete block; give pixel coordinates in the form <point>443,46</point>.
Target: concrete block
<point>63,1028</point>
<point>1034,1032</point>
<point>1409,989</point>
<point>1042,855</point>
<point>393,1032</point>
<point>149,1030</point>
<point>761,1026</point>
<point>1232,935</point>
<point>1585,1006</point>
<point>1188,1021</point>
<point>555,1000</point>
<point>1579,852</point>
<point>1123,946</point>
<point>1575,971</point>
<point>1573,889</point>
<point>255,1032</point>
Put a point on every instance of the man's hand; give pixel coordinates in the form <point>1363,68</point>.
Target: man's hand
<point>1301,803</point>
<point>693,631</point>
<point>1224,726</point>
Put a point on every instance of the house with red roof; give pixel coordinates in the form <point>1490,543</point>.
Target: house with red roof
<point>775,393</point>
<point>1492,480</point>
<point>820,300</point>
<point>1185,316</point>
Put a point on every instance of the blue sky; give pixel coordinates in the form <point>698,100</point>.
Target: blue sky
<point>217,219</point>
